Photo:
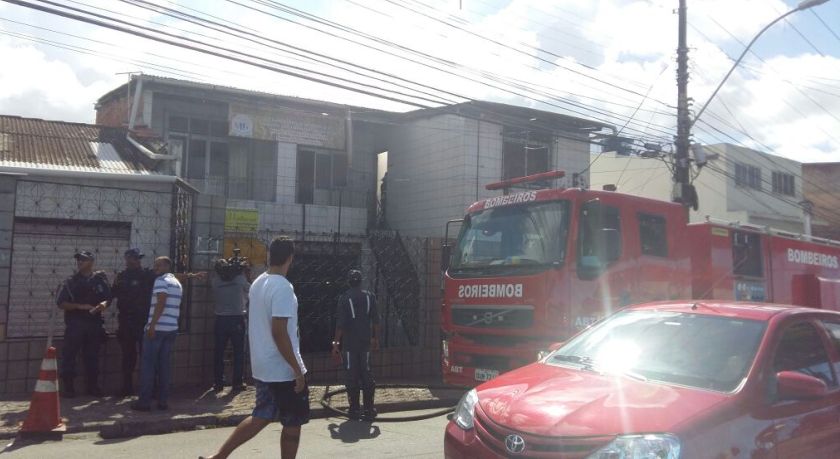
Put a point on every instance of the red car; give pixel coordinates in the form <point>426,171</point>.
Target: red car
<point>668,380</point>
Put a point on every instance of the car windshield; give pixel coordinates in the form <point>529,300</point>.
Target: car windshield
<point>707,352</point>
<point>512,236</point>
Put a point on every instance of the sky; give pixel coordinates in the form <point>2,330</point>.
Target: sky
<point>607,60</point>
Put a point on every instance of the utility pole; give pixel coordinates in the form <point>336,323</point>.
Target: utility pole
<point>681,192</point>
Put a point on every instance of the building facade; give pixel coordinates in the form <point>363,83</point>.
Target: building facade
<point>822,190</point>
<point>736,184</point>
<point>68,187</point>
<point>440,160</point>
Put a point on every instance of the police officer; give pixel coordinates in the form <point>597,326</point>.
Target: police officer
<point>133,290</point>
<point>357,332</point>
<point>83,297</point>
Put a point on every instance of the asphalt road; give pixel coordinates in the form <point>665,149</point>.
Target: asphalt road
<point>321,438</point>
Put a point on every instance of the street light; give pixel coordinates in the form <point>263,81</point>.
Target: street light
<point>804,5</point>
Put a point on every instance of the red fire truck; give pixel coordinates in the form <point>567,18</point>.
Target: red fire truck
<point>532,268</point>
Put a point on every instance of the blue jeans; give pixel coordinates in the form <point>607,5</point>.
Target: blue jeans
<point>155,360</point>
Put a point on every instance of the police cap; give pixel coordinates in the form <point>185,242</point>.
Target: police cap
<point>134,253</point>
<point>84,255</point>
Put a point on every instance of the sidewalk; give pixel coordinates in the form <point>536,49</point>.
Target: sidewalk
<point>112,416</point>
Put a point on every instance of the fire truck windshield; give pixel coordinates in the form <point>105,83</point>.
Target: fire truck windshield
<point>512,239</point>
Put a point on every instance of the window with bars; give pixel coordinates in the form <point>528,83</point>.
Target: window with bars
<point>320,171</point>
<point>783,183</point>
<point>220,165</point>
<point>525,153</point>
<point>747,176</point>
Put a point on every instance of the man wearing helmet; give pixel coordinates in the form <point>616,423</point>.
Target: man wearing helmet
<point>356,335</point>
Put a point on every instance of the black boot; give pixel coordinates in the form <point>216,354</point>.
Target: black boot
<point>67,389</point>
<point>370,411</point>
<point>353,397</point>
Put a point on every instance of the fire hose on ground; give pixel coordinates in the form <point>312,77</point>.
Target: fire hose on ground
<point>328,394</point>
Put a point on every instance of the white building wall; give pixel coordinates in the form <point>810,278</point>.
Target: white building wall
<point>571,156</point>
<point>430,178</point>
<point>719,196</point>
<point>763,207</point>
<point>439,166</point>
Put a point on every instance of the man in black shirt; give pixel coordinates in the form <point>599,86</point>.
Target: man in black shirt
<point>133,290</point>
<point>357,331</point>
<point>83,297</point>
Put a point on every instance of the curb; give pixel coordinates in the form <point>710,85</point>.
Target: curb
<point>140,427</point>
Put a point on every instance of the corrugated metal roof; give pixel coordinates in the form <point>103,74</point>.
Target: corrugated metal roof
<point>57,145</point>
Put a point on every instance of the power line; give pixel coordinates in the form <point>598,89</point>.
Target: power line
<point>488,75</point>
<point>517,50</point>
<point>215,51</point>
<point>819,18</point>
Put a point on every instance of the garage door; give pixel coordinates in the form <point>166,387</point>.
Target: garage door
<point>42,257</point>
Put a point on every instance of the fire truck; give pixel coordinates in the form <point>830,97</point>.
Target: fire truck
<point>532,268</point>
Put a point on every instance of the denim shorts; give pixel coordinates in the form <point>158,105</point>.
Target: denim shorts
<point>278,401</point>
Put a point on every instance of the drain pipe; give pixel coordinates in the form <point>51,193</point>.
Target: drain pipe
<point>138,91</point>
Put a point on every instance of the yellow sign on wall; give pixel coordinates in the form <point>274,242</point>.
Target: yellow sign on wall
<point>242,220</point>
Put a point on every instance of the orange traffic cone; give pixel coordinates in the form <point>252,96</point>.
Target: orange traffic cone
<point>44,416</point>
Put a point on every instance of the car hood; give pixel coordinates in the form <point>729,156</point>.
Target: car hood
<point>549,400</point>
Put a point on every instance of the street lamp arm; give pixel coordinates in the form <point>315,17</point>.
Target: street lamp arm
<point>744,53</point>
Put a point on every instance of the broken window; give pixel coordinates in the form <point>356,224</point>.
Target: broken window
<point>524,153</point>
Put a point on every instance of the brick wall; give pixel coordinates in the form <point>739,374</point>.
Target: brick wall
<point>113,113</point>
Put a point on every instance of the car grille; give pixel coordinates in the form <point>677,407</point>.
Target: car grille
<point>493,435</point>
<point>497,317</point>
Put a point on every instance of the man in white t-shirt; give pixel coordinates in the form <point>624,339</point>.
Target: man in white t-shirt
<point>278,369</point>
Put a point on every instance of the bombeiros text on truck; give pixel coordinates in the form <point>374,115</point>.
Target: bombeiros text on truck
<point>533,267</point>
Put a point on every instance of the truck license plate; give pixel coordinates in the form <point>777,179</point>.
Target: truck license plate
<point>485,375</point>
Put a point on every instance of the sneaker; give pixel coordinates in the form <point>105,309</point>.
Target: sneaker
<point>354,415</point>
<point>137,406</point>
<point>238,388</point>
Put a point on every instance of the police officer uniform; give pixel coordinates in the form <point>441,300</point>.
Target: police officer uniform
<point>84,330</point>
<point>133,290</point>
<point>357,318</point>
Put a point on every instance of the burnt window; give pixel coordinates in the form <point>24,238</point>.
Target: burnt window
<point>524,153</point>
<point>746,254</point>
<point>653,237</point>
<point>220,165</point>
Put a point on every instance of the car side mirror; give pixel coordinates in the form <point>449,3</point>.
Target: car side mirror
<point>797,386</point>
<point>445,257</point>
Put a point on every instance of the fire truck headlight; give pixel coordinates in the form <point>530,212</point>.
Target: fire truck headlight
<point>653,446</point>
<point>465,411</point>
<point>445,348</point>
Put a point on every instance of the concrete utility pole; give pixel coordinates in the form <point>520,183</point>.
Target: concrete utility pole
<point>684,192</point>
<point>681,191</point>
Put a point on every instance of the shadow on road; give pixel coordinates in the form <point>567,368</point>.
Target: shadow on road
<point>353,431</point>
